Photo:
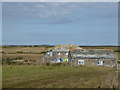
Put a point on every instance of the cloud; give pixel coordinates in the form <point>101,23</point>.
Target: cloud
<point>108,14</point>
<point>56,12</point>
<point>59,22</point>
<point>39,10</point>
<point>46,11</point>
<point>61,1</point>
<point>40,6</point>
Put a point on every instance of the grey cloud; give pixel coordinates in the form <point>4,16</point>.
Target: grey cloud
<point>108,14</point>
<point>29,10</point>
<point>52,12</point>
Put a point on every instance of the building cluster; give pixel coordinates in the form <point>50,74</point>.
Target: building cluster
<point>79,56</point>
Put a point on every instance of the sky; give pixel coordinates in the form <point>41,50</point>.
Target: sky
<point>52,23</point>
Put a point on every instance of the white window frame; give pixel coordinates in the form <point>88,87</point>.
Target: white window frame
<point>100,62</point>
<point>80,61</point>
<point>50,53</point>
<point>58,53</point>
<point>66,53</point>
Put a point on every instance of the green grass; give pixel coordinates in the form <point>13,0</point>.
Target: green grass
<point>14,54</point>
<point>21,76</point>
<point>58,77</point>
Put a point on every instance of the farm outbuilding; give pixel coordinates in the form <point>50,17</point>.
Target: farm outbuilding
<point>76,56</point>
<point>92,57</point>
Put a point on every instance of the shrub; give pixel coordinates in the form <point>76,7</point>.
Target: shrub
<point>56,64</point>
<point>3,52</point>
<point>9,60</point>
<point>20,52</point>
<point>18,58</point>
<point>118,62</point>
<point>5,46</point>
<point>43,52</point>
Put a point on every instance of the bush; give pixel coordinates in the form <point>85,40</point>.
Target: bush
<point>20,52</point>
<point>118,62</point>
<point>56,64</point>
<point>18,58</point>
<point>3,52</point>
<point>5,46</point>
<point>9,60</point>
<point>43,52</point>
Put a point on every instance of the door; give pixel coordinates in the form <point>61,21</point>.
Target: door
<point>80,62</point>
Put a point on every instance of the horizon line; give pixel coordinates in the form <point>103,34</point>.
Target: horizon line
<point>51,45</point>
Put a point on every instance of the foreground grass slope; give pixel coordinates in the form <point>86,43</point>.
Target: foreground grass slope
<point>58,77</point>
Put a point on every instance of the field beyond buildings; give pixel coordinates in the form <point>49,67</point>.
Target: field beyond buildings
<point>35,76</point>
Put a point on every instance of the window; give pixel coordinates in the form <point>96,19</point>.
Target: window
<point>80,62</point>
<point>50,53</point>
<point>58,59</point>
<point>51,59</point>
<point>66,53</point>
<point>65,60</point>
<point>99,62</point>
<point>58,53</point>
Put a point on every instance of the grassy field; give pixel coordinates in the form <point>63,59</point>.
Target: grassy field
<point>28,53</point>
<point>35,76</point>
